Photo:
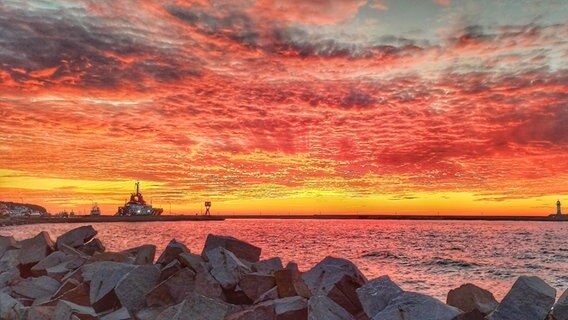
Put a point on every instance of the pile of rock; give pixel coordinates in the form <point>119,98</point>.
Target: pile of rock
<point>75,278</point>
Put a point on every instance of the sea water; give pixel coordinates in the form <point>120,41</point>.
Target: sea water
<point>430,257</point>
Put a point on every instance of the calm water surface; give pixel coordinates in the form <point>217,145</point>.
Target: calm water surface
<point>431,257</point>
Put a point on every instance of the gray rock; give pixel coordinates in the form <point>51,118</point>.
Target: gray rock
<point>268,266</point>
<point>291,308</point>
<point>61,270</point>
<point>172,290</point>
<point>92,247</point>
<point>192,261</point>
<point>415,306</point>
<point>51,260</point>
<point>233,308</point>
<point>40,313</point>
<point>35,249</point>
<point>271,294</point>
<point>131,290</point>
<point>262,311</point>
<point>338,279</point>
<point>530,298</point>
<point>104,280</point>
<point>469,297</point>
<point>207,286</point>
<point>291,265</point>
<point>144,254</point>
<point>196,308</point>
<point>171,313</point>
<point>560,311</point>
<point>6,290</point>
<point>41,300</point>
<point>256,284</point>
<point>170,269</point>
<point>172,251</point>
<point>77,237</point>
<point>66,310</point>
<point>227,269</point>
<point>35,288</point>
<point>75,275</point>
<point>10,308</point>
<point>242,249</point>
<point>9,260</point>
<point>70,251</point>
<point>289,283</point>
<point>120,257</point>
<point>237,297</point>
<point>9,277</point>
<point>120,314</point>
<point>471,315</point>
<point>71,291</point>
<point>7,243</point>
<point>376,294</point>
<point>66,286</point>
<point>89,270</point>
<point>322,307</point>
<point>150,313</point>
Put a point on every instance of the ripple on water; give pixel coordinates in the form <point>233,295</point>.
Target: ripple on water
<point>427,256</point>
<point>380,255</point>
<point>452,263</point>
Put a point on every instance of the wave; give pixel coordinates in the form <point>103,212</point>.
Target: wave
<point>381,254</point>
<point>452,263</point>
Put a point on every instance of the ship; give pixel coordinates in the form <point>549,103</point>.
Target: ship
<point>95,210</point>
<point>137,206</point>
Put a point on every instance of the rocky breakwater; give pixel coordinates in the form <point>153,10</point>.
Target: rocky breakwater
<point>76,278</point>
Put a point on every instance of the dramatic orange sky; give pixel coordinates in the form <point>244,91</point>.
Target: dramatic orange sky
<point>363,106</point>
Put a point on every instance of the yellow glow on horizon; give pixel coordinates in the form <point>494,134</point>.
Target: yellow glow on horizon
<point>443,203</point>
<point>56,193</point>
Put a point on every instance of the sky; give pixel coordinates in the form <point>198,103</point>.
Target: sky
<point>289,107</point>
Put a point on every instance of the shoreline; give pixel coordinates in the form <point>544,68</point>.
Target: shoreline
<point>90,219</point>
<point>75,277</point>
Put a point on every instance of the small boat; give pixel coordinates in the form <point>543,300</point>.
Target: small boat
<point>137,206</point>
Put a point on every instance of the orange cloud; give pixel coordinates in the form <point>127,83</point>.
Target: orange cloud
<point>238,103</point>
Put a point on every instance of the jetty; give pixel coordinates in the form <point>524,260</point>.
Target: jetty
<point>94,219</point>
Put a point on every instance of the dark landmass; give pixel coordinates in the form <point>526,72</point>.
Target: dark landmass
<point>33,207</point>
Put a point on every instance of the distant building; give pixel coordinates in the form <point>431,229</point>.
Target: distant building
<point>558,208</point>
<point>4,211</point>
<point>18,211</point>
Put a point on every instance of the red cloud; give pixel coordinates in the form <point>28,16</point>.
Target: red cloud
<point>238,101</point>
<point>307,12</point>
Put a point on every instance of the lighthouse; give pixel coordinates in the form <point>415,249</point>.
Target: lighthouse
<point>558,208</point>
